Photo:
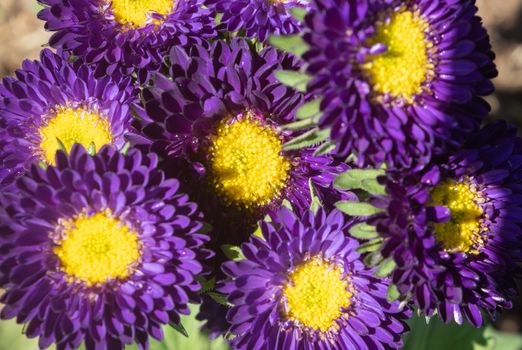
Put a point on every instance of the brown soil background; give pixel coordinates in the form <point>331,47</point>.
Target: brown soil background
<point>22,36</point>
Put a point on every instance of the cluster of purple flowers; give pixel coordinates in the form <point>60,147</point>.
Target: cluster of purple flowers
<point>310,172</point>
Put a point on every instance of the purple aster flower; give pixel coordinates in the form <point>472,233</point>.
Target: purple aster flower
<point>52,104</point>
<point>218,121</point>
<point>98,249</point>
<point>257,18</point>
<point>304,286</point>
<point>399,80</point>
<point>454,228</point>
<point>122,34</point>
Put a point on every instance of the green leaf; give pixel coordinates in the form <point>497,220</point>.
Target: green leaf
<point>179,328</point>
<point>296,80</point>
<point>370,246</point>
<point>385,268</point>
<point>393,293</point>
<point>437,335</point>
<point>325,148</point>
<point>357,208</point>
<point>42,164</point>
<point>309,138</point>
<point>316,202</point>
<point>258,232</point>
<point>91,149</point>
<point>219,298</point>
<point>218,18</point>
<point>206,285</point>
<point>363,231</point>
<point>373,259</point>
<point>309,110</point>
<point>354,178</point>
<point>290,43</point>
<point>125,148</point>
<point>298,13</point>
<point>299,125</point>
<point>232,252</point>
<point>206,228</point>
<point>373,186</point>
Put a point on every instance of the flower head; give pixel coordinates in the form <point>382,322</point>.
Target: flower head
<point>218,121</point>
<point>98,249</point>
<point>122,34</point>
<point>453,229</point>
<point>303,286</point>
<point>400,81</point>
<point>256,18</point>
<point>52,104</point>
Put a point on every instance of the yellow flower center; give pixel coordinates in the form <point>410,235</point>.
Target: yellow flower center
<point>137,13</point>
<point>317,294</point>
<point>405,66</point>
<point>247,167</point>
<point>97,248</point>
<point>463,233</point>
<point>73,125</point>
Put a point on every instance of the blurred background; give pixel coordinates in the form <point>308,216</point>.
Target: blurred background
<point>22,36</point>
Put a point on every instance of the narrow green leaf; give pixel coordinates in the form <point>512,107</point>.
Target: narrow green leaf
<point>373,259</point>
<point>310,109</point>
<point>179,328</point>
<point>393,293</point>
<point>42,164</point>
<point>363,231</point>
<point>219,298</point>
<point>353,178</point>
<point>218,18</point>
<point>325,148</point>
<point>385,268</point>
<point>298,13</point>
<point>296,80</point>
<point>290,43</point>
<point>299,125</point>
<point>357,208</point>
<point>258,232</point>
<point>232,252</point>
<point>309,138</point>
<point>370,246</point>
<point>206,228</point>
<point>373,186</point>
<point>206,285</point>
<point>91,149</point>
<point>125,148</point>
<point>316,202</point>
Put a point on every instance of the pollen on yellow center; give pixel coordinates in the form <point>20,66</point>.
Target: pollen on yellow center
<point>97,248</point>
<point>137,12</point>
<point>316,295</point>
<point>463,232</point>
<point>70,125</point>
<point>405,66</point>
<point>247,166</point>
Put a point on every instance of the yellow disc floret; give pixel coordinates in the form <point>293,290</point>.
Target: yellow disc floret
<point>316,295</point>
<point>70,125</point>
<point>405,66</point>
<point>97,248</point>
<point>464,231</point>
<point>247,167</point>
<point>136,13</point>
